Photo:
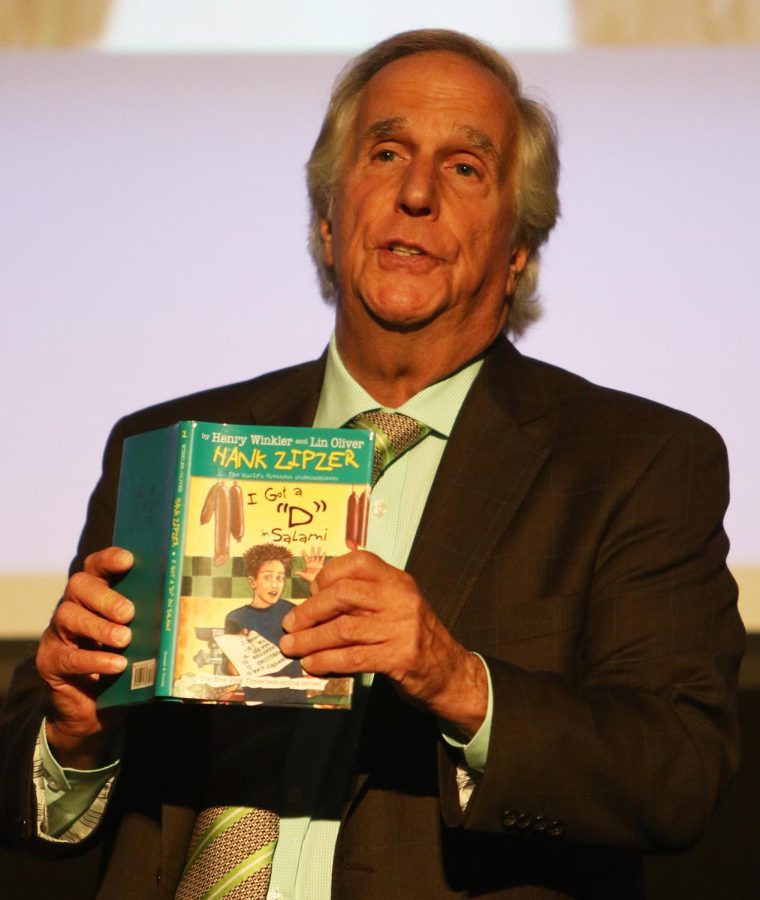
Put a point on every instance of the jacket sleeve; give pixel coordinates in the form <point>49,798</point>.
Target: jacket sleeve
<point>634,744</point>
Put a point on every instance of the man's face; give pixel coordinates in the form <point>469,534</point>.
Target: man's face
<point>420,231</point>
<point>267,583</point>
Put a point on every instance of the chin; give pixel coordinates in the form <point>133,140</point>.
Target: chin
<point>405,310</point>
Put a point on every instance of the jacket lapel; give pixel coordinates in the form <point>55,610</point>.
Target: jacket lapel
<point>289,397</point>
<point>488,467</point>
<point>495,451</point>
<point>497,447</point>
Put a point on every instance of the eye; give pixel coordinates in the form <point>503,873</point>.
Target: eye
<point>465,170</point>
<point>386,155</point>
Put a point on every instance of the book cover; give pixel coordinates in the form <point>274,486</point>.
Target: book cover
<point>229,524</point>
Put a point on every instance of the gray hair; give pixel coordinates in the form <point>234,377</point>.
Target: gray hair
<point>537,202</point>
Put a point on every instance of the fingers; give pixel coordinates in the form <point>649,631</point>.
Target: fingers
<point>110,561</point>
<point>71,645</point>
<point>73,654</point>
<point>334,632</point>
<point>355,624</point>
<point>358,584</point>
<point>61,662</point>
<point>358,564</point>
<point>91,587</point>
<point>347,661</point>
<point>90,617</point>
<point>92,593</point>
<point>367,616</point>
<point>346,645</point>
<point>344,597</point>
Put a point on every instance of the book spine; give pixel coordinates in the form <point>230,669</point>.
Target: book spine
<point>143,526</point>
<point>167,650</point>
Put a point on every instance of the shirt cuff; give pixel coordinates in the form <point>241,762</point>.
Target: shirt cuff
<point>475,750</point>
<point>70,802</point>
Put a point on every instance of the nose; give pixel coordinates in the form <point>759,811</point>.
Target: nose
<point>418,192</point>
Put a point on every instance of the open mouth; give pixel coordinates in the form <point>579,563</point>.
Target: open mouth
<point>406,250</point>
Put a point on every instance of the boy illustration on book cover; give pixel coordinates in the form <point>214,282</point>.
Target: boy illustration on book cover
<point>267,566</point>
<point>233,600</point>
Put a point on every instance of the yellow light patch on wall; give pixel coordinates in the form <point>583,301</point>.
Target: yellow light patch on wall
<point>52,23</point>
<point>639,22</point>
<point>748,578</point>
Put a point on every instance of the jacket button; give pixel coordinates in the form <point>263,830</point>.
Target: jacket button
<point>556,828</point>
<point>509,819</point>
<point>524,821</point>
<point>158,875</point>
<point>540,824</point>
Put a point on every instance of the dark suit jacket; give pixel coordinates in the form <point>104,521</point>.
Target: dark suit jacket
<point>573,536</point>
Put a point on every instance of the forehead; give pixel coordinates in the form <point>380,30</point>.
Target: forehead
<point>271,565</point>
<point>439,91</point>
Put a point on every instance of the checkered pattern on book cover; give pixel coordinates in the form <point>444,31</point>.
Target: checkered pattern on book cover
<point>201,578</point>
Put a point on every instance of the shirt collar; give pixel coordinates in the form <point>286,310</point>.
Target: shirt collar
<point>437,405</point>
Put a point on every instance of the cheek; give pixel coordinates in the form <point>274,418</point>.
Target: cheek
<point>349,241</point>
<point>478,247</point>
<point>489,244</point>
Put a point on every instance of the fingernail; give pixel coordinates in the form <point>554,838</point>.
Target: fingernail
<point>286,643</point>
<point>289,621</point>
<point>119,663</point>
<point>123,558</point>
<point>120,634</point>
<point>125,608</point>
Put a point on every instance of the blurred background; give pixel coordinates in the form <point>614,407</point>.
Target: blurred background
<point>153,220</point>
<point>153,236</point>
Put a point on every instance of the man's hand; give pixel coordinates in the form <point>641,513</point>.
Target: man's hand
<point>367,616</point>
<point>73,654</point>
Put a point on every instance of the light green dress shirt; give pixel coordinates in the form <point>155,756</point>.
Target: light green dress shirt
<point>313,791</point>
<point>319,763</point>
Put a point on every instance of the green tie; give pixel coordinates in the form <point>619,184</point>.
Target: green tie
<point>395,433</point>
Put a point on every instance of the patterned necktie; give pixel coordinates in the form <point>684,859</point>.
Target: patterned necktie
<point>395,433</point>
<point>232,847</point>
<point>230,854</point>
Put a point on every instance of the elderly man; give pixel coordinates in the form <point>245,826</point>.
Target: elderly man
<point>546,618</point>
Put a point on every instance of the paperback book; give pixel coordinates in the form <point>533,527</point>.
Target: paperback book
<point>229,525</point>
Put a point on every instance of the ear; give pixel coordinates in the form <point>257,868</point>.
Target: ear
<point>252,582</point>
<point>518,261</point>
<point>325,231</point>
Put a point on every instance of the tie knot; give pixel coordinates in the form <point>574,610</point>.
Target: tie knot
<point>395,433</point>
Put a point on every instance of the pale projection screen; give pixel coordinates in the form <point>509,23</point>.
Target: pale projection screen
<point>153,242</point>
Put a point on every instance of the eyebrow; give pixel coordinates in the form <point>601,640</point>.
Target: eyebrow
<point>385,128</point>
<point>481,141</point>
